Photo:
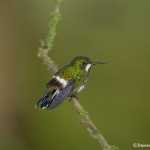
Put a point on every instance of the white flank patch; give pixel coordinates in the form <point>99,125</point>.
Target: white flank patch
<point>80,88</point>
<point>43,108</point>
<point>61,80</point>
<point>88,67</point>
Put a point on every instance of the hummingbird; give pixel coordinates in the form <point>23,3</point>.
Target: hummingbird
<point>68,81</point>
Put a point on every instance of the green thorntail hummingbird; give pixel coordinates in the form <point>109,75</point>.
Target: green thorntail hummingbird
<point>67,82</point>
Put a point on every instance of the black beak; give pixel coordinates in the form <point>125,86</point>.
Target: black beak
<point>95,63</point>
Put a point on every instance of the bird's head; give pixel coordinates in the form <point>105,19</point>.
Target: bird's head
<point>84,63</point>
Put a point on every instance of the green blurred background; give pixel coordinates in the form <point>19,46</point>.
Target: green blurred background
<point>117,95</point>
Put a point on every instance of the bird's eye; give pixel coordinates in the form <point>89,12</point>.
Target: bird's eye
<point>83,65</point>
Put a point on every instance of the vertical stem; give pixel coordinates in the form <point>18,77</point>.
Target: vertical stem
<point>46,45</point>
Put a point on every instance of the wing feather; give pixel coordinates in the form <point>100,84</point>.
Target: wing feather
<point>62,94</point>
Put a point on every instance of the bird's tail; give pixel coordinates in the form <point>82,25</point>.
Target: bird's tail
<point>44,101</point>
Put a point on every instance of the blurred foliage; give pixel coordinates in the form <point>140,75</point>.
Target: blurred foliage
<point>117,94</point>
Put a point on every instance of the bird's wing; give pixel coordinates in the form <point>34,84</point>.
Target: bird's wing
<point>61,94</point>
<point>52,89</point>
<point>47,98</point>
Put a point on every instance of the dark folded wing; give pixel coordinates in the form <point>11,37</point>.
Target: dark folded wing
<point>46,99</point>
<point>62,94</point>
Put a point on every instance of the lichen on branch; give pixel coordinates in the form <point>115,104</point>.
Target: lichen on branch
<point>47,44</point>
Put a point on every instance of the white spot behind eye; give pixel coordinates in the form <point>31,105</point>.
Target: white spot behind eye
<point>88,67</point>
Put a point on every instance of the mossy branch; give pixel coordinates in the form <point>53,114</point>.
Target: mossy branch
<point>46,46</point>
